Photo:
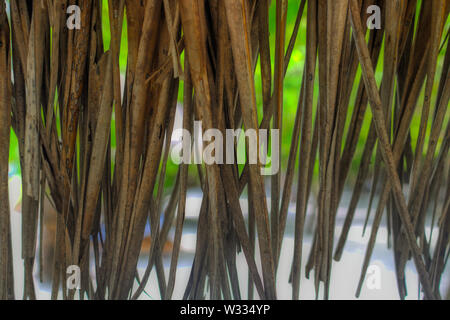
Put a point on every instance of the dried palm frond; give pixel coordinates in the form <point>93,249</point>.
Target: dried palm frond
<point>94,142</point>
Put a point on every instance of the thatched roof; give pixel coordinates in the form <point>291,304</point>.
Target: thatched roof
<point>98,146</point>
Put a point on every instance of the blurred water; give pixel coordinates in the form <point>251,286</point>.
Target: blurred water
<point>344,277</point>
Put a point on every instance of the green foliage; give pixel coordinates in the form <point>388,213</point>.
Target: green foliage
<point>291,88</point>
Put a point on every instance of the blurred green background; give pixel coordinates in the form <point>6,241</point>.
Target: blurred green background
<point>291,90</point>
